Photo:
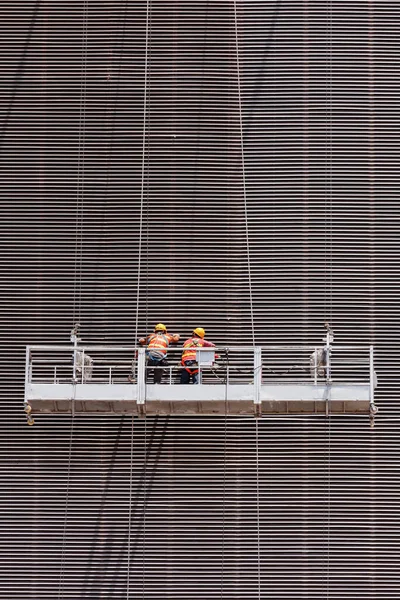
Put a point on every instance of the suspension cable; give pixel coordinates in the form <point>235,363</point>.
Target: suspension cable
<point>67,493</point>
<point>143,169</point>
<point>130,514</point>
<point>80,186</point>
<point>77,291</point>
<point>328,291</point>
<point>258,515</point>
<point>243,167</point>
<point>250,287</point>
<point>144,512</point>
<point>329,267</point>
<point>223,541</point>
<point>142,189</point>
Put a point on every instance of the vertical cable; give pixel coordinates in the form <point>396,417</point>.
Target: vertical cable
<point>128,568</point>
<point>80,186</point>
<point>142,187</point>
<point>243,172</point>
<point>223,542</point>
<point>64,533</point>
<point>328,534</point>
<point>143,170</point>
<point>258,515</point>
<point>329,266</point>
<point>77,290</point>
<point>330,165</point>
<point>371,110</point>
<point>372,217</point>
<point>132,420</point>
<point>249,283</point>
<point>144,511</point>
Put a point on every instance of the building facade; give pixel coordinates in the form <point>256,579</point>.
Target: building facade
<point>231,165</point>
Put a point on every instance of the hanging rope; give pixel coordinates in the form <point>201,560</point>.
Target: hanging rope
<point>130,513</point>
<point>140,236</point>
<point>258,515</point>
<point>328,291</point>
<point>143,170</point>
<point>77,291</point>
<point>329,269</point>
<point>144,511</point>
<point>80,188</point>
<point>243,173</point>
<point>224,473</point>
<point>64,533</point>
<point>250,287</point>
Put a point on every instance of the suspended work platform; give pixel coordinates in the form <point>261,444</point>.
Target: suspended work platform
<point>270,380</point>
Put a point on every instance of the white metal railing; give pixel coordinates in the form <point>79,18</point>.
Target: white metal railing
<point>261,373</point>
<point>260,365</point>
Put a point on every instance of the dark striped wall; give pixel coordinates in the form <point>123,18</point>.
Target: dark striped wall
<point>122,186</point>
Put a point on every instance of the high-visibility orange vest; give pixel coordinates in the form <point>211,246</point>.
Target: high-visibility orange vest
<point>191,344</point>
<point>158,341</point>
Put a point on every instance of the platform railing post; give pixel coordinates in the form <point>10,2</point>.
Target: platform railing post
<point>315,365</point>
<point>372,408</point>
<point>257,380</point>
<point>328,362</point>
<point>141,377</point>
<point>28,375</point>
<point>371,377</point>
<point>328,353</point>
<point>83,366</point>
<point>328,367</point>
<point>75,355</point>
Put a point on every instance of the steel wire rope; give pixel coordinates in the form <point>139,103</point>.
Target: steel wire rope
<point>223,541</point>
<point>77,290</point>
<point>243,170</point>
<point>144,510</point>
<point>258,513</point>
<point>78,262</point>
<point>143,162</point>
<point>328,300</point>
<point>247,238</point>
<point>141,210</point>
<point>67,494</point>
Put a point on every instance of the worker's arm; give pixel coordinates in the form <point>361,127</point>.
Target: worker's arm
<point>207,344</point>
<point>174,338</point>
<point>142,341</point>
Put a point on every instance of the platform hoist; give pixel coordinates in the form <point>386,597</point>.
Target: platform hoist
<point>325,379</point>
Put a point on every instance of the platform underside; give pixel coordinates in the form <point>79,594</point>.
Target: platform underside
<point>121,399</point>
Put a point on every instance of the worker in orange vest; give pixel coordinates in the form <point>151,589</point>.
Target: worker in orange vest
<point>156,352</point>
<point>190,369</point>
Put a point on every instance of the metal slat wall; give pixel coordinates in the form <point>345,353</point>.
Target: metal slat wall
<point>318,82</point>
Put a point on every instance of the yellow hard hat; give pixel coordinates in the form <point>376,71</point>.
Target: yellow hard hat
<point>160,327</point>
<point>199,331</point>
